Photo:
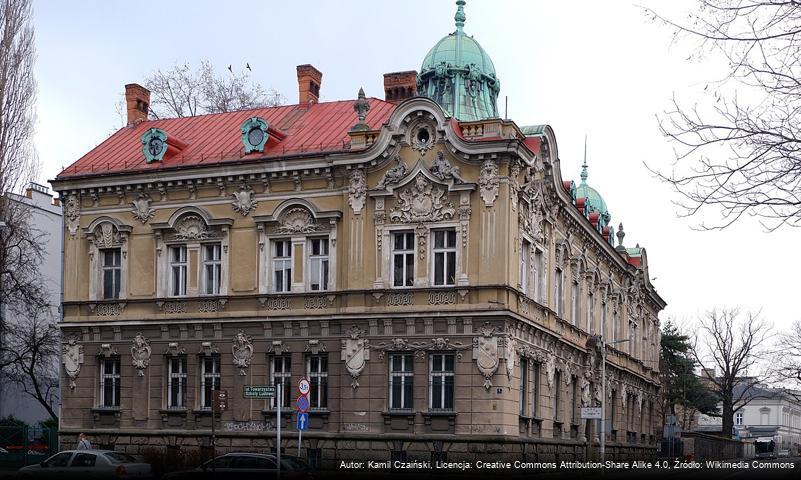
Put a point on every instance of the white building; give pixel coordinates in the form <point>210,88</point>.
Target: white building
<point>46,216</point>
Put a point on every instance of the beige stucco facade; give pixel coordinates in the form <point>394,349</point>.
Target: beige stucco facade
<point>482,186</point>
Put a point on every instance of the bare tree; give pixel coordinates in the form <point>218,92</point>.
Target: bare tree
<point>738,349</point>
<point>183,92</point>
<point>788,359</point>
<point>740,152</point>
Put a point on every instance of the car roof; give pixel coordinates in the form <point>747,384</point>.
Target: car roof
<point>90,450</point>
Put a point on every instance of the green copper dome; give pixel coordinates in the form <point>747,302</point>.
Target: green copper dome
<point>459,75</point>
<point>594,199</point>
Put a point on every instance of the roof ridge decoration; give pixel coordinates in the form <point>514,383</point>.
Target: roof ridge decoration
<point>361,106</point>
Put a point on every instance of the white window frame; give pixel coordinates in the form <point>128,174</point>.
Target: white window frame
<point>285,260</point>
<point>591,313</point>
<point>738,418</point>
<point>404,377</point>
<point>524,373</point>
<point>525,264</point>
<point>114,378</point>
<point>182,266</point>
<point>215,279</point>
<point>559,292</point>
<point>178,376</point>
<point>283,376</point>
<point>405,252</point>
<point>574,303</point>
<point>317,397</point>
<point>444,251</point>
<point>116,273</point>
<point>443,375</point>
<point>206,377</point>
<point>538,265</point>
<point>324,279</point>
<point>535,389</point>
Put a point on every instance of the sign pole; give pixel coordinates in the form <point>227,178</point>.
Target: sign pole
<point>278,427</point>
<point>213,434</point>
<point>602,442</point>
<point>300,432</point>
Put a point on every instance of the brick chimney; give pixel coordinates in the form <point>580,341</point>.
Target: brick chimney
<point>137,99</point>
<point>398,86</point>
<point>309,81</point>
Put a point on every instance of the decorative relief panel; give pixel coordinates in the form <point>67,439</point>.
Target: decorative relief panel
<point>140,354</point>
<point>172,307</point>
<point>422,202</point>
<point>297,220</point>
<point>444,171</point>
<point>317,302</point>
<point>488,182</point>
<point>107,309</point>
<point>485,353</point>
<point>357,192</point>
<point>208,306</point>
<point>446,297</point>
<point>394,174</point>
<point>243,351</point>
<point>244,200</point>
<point>73,359</point>
<point>355,353</point>
<point>397,299</point>
<point>275,303</point>
<point>72,211</point>
<point>191,227</point>
<point>106,235</point>
<point>142,210</point>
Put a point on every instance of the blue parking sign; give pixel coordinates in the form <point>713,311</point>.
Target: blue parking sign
<point>303,421</point>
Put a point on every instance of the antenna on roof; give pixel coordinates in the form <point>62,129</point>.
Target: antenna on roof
<point>584,165</point>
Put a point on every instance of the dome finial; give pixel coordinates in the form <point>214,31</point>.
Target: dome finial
<point>459,17</point>
<point>584,165</point>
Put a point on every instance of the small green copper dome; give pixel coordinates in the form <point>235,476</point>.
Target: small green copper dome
<point>459,75</point>
<point>594,199</point>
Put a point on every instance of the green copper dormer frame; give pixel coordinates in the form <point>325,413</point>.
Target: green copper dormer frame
<point>154,144</point>
<point>254,134</point>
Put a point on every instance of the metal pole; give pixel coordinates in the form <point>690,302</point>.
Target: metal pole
<point>602,445</point>
<point>278,427</point>
<point>213,431</point>
<point>300,432</point>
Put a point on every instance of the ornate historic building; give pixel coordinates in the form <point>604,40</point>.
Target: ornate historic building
<point>420,260</point>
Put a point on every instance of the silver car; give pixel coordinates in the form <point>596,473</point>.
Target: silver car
<point>88,464</point>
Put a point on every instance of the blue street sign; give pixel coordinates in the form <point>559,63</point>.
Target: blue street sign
<point>303,421</point>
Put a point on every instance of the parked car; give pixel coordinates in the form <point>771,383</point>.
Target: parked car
<point>242,466</point>
<point>783,452</point>
<point>89,465</point>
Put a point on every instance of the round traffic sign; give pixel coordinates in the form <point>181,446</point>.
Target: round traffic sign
<point>303,386</point>
<point>303,404</point>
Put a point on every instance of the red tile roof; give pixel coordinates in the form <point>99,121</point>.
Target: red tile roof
<point>215,138</point>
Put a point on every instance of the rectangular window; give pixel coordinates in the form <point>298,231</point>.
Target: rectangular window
<point>318,263</point>
<point>539,288</point>
<point>535,389</point>
<point>176,383</point>
<point>557,382</point>
<point>281,373</point>
<point>401,381</point>
<point>573,400</point>
<point>591,313</point>
<point>282,265</point>
<point>209,379</point>
<point>441,382</point>
<point>444,257</point>
<point>212,266</point>
<point>317,368</point>
<point>112,272</point>
<point>523,386</point>
<point>525,252</point>
<point>559,293</point>
<point>110,382</point>
<point>402,259</point>
<point>178,268</point>
<point>604,325</point>
<point>574,304</point>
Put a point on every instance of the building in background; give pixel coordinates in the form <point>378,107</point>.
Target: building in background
<point>46,217</point>
<point>420,260</point>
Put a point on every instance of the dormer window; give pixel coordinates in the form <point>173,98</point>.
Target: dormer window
<point>254,134</point>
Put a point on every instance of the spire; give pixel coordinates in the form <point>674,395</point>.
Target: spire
<point>361,106</point>
<point>459,17</point>
<point>584,165</point>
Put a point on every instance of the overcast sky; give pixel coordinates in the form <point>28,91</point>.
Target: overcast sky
<point>600,68</point>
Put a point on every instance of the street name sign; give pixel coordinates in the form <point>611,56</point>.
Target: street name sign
<point>591,412</point>
<point>259,391</point>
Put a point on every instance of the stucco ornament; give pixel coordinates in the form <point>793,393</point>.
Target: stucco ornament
<point>243,200</point>
<point>640,400</point>
<point>488,182</point>
<point>191,227</point>
<point>140,354</point>
<point>443,170</point>
<point>550,370</point>
<point>485,353</point>
<point>142,210</point>
<point>422,202</point>
<point>73,359</point>
<point>511,347</point>
<point>357,192</point>
<point>243,351</point>
<point>394,174</point>
<point>586,392</point>
<point>355,353</point>
<point>297,220</point>
<point>107,236</point>
<point>72,211</point>
<point>623,394</point>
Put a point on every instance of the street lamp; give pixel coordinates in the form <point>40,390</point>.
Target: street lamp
<point>598,341</point>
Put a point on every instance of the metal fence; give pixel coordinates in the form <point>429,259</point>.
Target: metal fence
<point>26,445</point>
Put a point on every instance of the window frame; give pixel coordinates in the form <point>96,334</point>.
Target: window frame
<point>538,264</point>
<point>445,252</point>
<point>406,380</point>
<point>284,377</point>
<point>535,389</point>
<point>323,259</point>
<point>575,293</point>
<point>525,266</point>
<point>559,292</point>
<point>179,377</point>
<point>183,268</point>
<point>205,376</point>
<point>443,375</point>
<point>115,379</point>
<point>318,396</point>
<point>115,270</point>
<point>408,251</point>
<point>274,258</point>
<point>524,373</point>
<point>216,267</point>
